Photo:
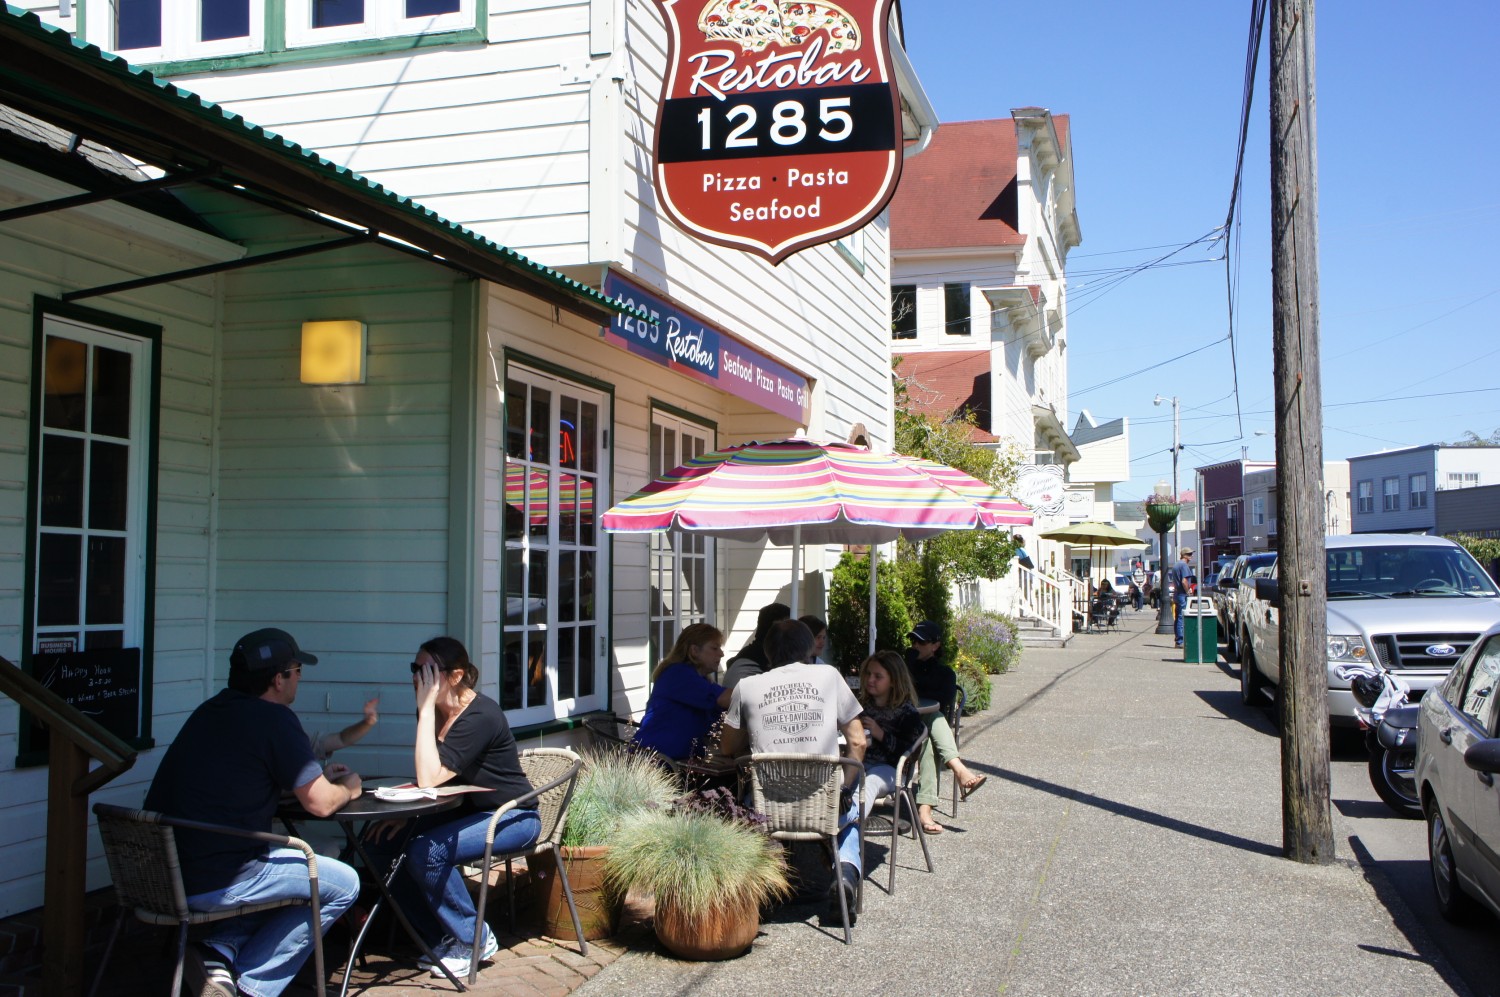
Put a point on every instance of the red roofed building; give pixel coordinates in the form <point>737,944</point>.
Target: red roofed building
<point>980,231</point>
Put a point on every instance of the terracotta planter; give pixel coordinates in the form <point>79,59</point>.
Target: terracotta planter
<point>722,935</point>
<point>598,909</point>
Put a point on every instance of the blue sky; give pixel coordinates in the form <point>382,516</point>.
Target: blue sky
<point>1409,203</point>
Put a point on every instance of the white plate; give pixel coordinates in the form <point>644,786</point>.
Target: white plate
<point>390,795</point>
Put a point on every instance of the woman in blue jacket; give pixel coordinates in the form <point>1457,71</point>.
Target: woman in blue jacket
<point>684,704</point>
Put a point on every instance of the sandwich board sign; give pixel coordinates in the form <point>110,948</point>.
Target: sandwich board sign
<point>779,125</point>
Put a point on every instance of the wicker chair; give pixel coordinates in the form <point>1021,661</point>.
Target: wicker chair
<point>141,847</point>
<point>553,772</point>
<point>799,794</point>
<point>905,795</point>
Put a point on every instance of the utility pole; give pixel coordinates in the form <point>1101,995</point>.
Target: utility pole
<point>1307,824</point>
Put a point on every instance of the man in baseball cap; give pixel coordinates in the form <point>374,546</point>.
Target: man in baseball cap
<point>230,764</point>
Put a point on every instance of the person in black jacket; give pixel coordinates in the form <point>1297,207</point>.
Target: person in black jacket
<point>935,680</point>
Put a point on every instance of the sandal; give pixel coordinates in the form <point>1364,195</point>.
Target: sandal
<point>933,828</point>
<point>965,792</point>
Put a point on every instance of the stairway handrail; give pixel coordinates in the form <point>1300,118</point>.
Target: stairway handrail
<point>111,751</point>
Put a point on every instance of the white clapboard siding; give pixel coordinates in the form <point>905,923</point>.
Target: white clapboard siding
<point>47,256</point>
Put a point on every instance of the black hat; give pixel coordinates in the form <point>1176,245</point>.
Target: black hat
<point>268,649</point>
<point>925,632</point>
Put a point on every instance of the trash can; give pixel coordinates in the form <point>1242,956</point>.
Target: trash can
<point>1200,631</point>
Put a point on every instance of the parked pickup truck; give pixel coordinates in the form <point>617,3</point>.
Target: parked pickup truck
<point>1236,587</point>
<point>1413,603</point>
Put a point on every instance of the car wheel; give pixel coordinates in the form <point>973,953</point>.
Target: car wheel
<point>1251,681</point>
<point>1452,902</point>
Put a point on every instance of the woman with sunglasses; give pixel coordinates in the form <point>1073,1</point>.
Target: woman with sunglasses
<point>463,739</point>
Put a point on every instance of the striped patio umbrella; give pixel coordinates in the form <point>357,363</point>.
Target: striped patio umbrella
<point>799,491</point>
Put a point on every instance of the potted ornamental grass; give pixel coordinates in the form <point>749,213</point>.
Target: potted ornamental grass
<point>612,786</point>
<point>710,865</point>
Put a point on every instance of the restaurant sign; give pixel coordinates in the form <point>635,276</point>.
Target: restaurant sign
<point>676,339</point>
<point>779,125</point>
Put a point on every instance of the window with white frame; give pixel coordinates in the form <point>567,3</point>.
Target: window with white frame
<point>92,429</point>
<point>1364,496</point>
<point>1463,479</point>
<point>1258,511</point>
<point>903,311</point>
<point>956,310</point>
<point>151,31</point>
<point>556,592</point>
<point>1390,492</point>
<point>681,564</point>
<point>852,247</point>
<point>1417,487</point>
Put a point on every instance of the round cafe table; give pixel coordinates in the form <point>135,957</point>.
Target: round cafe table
<point>352,818</point>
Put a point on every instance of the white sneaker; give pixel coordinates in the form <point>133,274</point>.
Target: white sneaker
<point>441,949</point>
<point>456,956</point>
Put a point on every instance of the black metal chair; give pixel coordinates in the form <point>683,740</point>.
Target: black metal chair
<point>141,848</point>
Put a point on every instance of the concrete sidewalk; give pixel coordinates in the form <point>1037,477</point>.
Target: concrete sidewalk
<point>1128,842</point>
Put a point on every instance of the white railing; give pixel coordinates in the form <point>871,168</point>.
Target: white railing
<point>1049,600</point>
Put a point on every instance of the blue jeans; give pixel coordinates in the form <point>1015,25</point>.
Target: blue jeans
<point>268,948</point>
<point>431,890</point>
<point>849,837</point>
<point>1179,602</point>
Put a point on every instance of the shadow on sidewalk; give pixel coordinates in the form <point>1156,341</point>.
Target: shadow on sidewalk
<point>1134,813</point>
<point>1227,703</point>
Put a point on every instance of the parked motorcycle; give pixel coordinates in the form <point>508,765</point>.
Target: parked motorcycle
<point>1390,725</point>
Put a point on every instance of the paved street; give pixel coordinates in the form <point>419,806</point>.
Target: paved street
<point>1128,842</point>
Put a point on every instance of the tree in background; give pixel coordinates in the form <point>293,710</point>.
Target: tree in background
<point>1473,439</point>
<point>971,554</point>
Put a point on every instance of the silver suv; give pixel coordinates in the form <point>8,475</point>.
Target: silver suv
<point>1458,757</point>
<point>1416,603</point>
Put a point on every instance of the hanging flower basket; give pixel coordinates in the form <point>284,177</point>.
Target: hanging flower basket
<point>1161,515</point>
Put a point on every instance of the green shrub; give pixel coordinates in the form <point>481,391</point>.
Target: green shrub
<point>924,585</point>
<point>696,861</point>
<point>974,681</point>
<point>849,612</point>
<point>613,785</point>
<point>992,640</point>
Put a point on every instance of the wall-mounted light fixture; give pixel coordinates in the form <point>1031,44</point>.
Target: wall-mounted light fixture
<point>333,352</point>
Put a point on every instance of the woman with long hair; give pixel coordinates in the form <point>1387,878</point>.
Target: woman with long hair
<point>462,738</point>
<point>892,724</point>
<point>684,704</point>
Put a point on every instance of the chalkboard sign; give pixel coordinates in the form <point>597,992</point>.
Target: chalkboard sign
<point>104,684</point>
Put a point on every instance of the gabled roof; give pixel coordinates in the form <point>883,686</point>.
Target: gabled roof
<point>1086,430</point>
<point>942,382</point>
<point>961,191</point>
<point>46,73</point>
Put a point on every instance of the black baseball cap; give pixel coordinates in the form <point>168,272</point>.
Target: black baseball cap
<point>925,632</point>
<point>268,648</point>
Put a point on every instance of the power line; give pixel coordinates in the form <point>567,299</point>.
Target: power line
<point>1135,373</point>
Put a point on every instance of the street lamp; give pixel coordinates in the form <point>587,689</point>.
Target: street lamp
<point>1176,449</point>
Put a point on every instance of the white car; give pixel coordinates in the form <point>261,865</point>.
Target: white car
<point>1412,603</point>
<point>1458,757</point>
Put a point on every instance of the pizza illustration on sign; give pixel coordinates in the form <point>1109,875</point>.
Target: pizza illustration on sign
<point>779,126</point>
<point>754,25</point>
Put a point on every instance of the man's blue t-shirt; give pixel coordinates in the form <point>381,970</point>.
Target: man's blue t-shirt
<point>1181,574</point>
<point>682,708</point>
<point>230,764</point>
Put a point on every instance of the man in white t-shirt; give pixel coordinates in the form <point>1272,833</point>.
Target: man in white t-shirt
<point>798,707</point>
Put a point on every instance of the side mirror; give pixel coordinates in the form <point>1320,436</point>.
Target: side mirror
<point>1269,590</point>
<point>1228,583</point>
<point>1484,756</point>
